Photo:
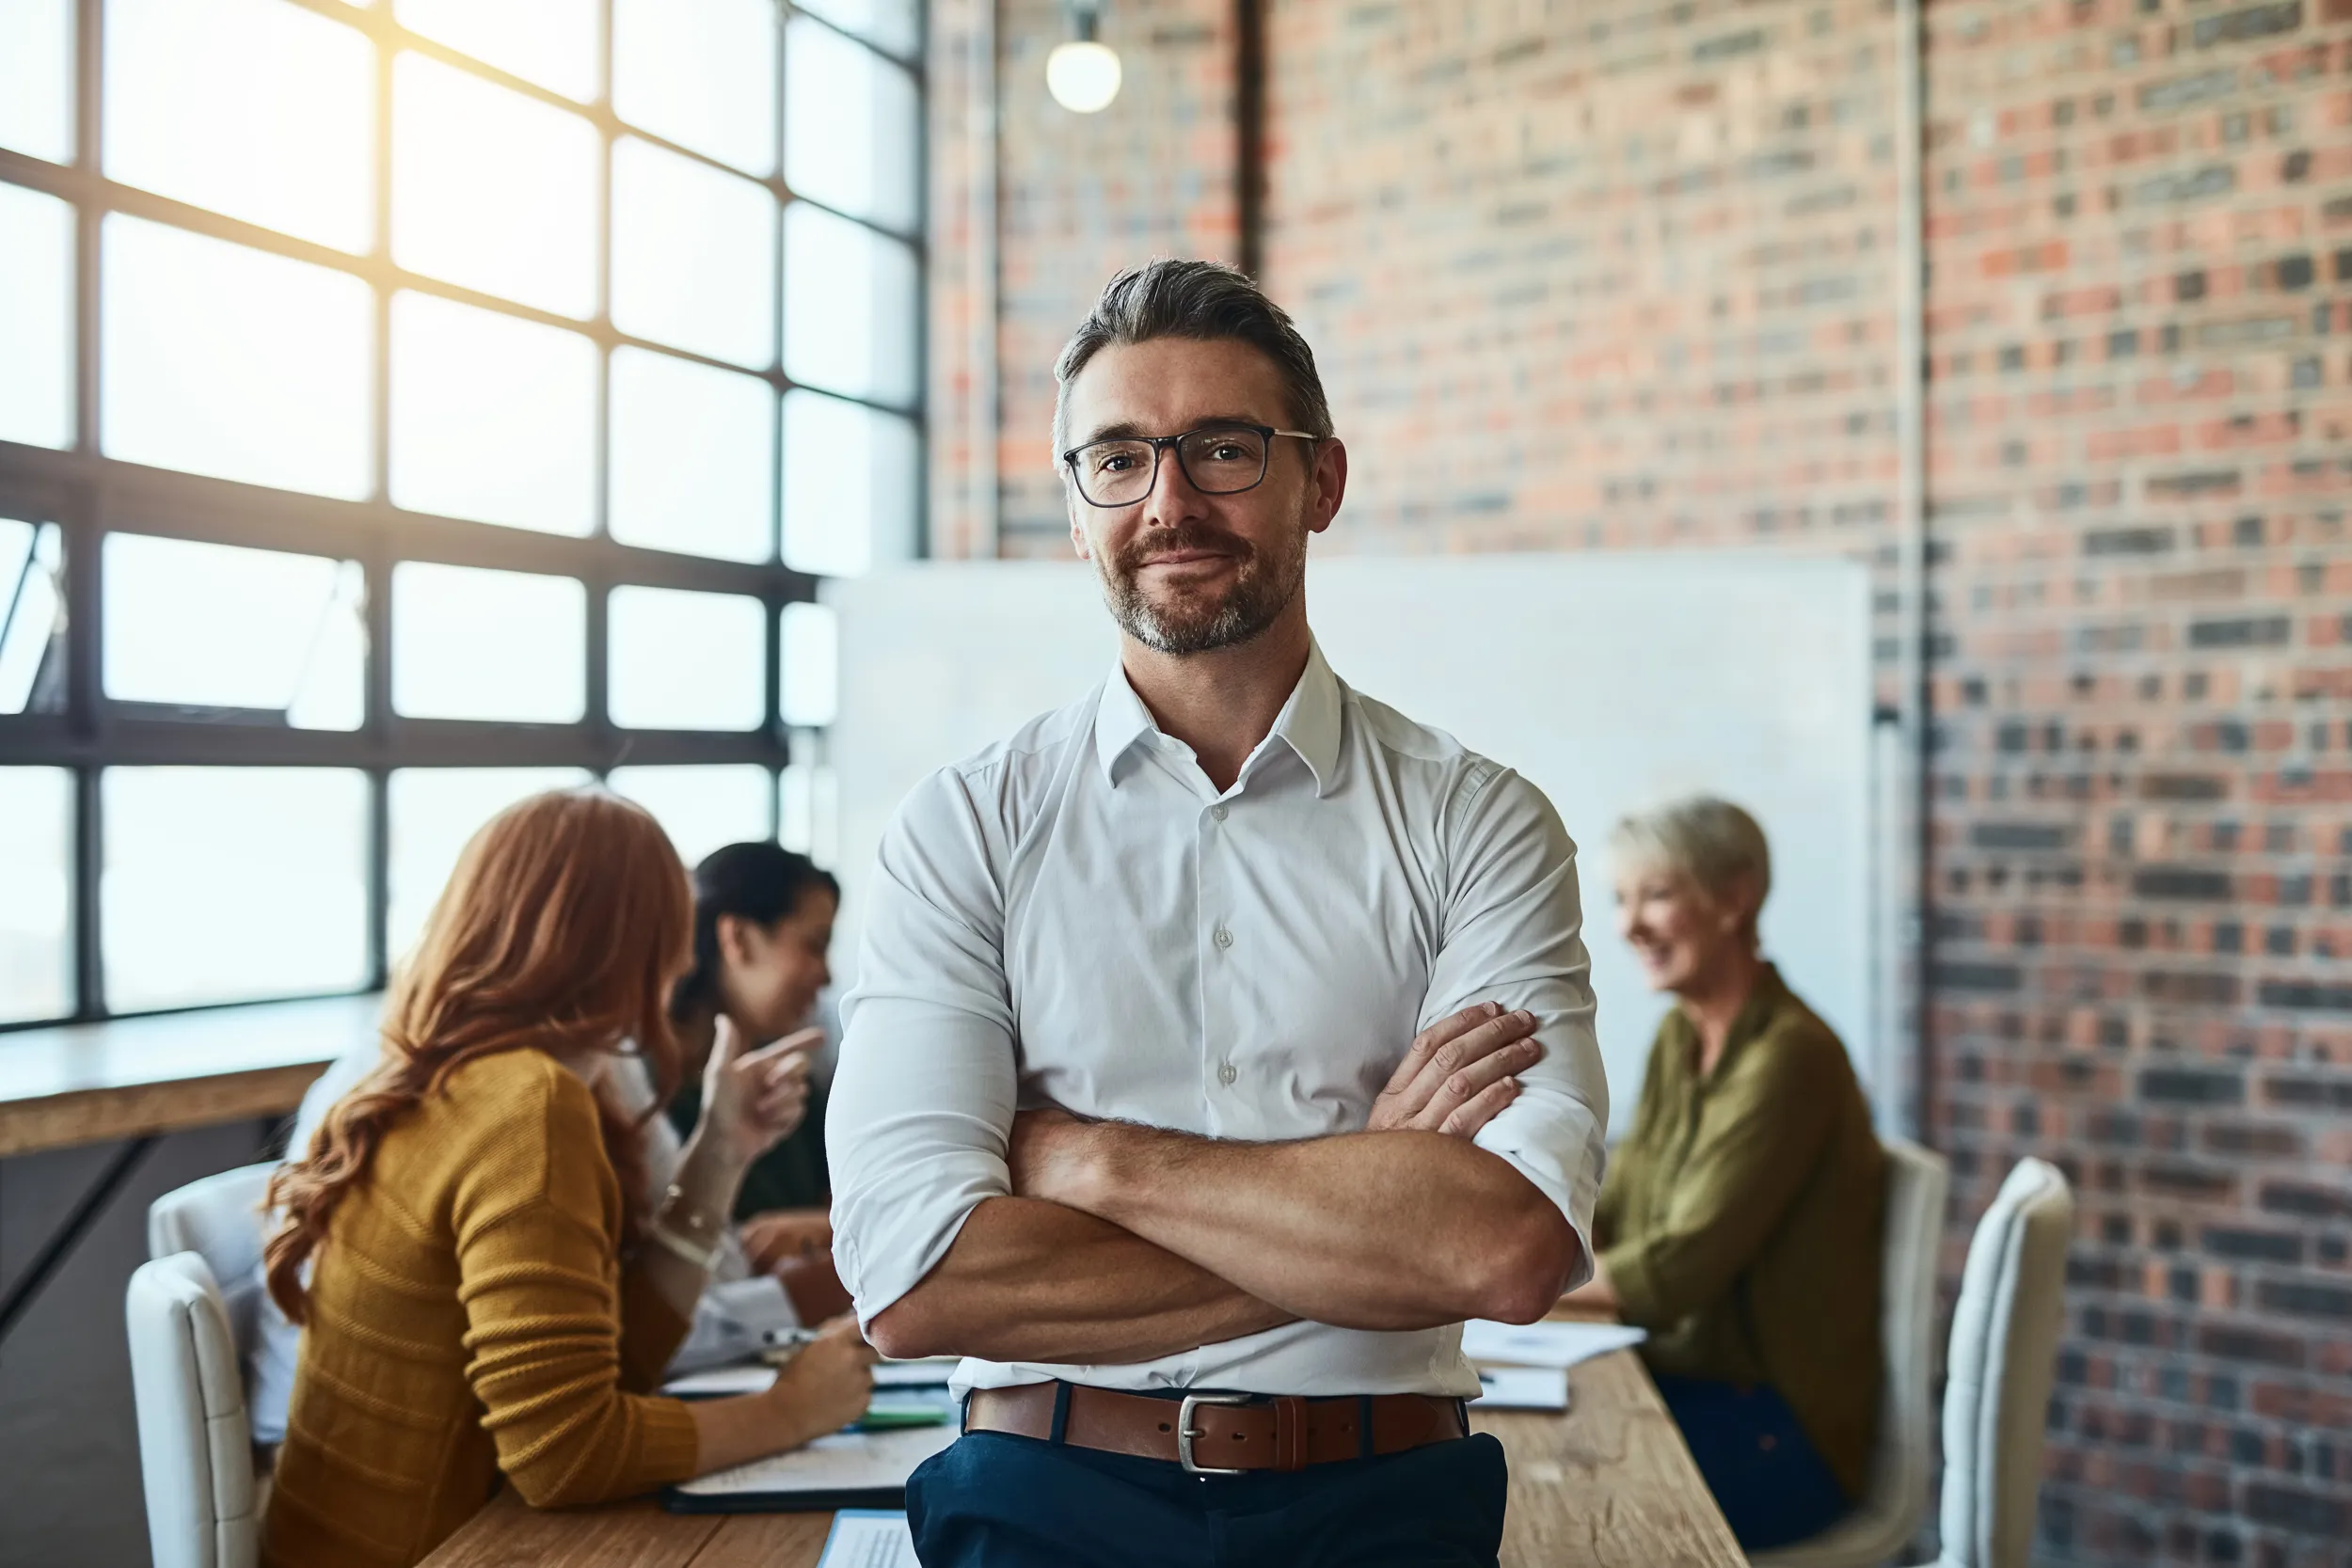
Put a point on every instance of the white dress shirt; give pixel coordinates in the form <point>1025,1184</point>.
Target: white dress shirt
<point>1076,915</point>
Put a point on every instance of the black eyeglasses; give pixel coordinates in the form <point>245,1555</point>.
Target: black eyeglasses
<point>1217,460</point>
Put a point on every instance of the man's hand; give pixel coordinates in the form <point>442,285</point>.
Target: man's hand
<point>1459,1076</point>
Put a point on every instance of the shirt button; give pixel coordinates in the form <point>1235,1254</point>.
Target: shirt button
<point>1226,1072</point>
<point>1224,937</point>
<point>1217,810</point>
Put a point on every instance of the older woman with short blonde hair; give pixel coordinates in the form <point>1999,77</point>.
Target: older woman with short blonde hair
<point>1740,1223</point>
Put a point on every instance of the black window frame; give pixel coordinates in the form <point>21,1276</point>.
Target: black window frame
<point>89,496</point>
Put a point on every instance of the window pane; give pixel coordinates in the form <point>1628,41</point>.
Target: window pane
<point>224,360</point>
<point>552,43</point>
<point>686,661</point>
<point>256,109</point>
<point>811,694</point>
<point>37,895</point>
<point>219,627</point>
<point>32,618</point>
<point>808,812</point>
<point>432,812</point>
<point>701,808</point>
<point>493,190</point>
<point>36,317</point>
<point>850,121</point>
<point>850,476</point>
<point>849,307</point>
<point>893,24</point>
<point>470,643</point>
<point>693,457</point>
<point>701,74</point>
<point>37,78</point>
<point>694,255</point>
<point>231,884</point>
<point>493,418</point>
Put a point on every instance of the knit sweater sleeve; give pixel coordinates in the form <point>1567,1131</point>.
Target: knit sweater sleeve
<point>536,1218</point>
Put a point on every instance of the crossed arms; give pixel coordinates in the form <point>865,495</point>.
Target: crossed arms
<point>964,1225</point>
<point>1124,1243</point>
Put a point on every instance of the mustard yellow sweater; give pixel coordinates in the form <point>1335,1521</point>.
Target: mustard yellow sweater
<point>470,1316</point>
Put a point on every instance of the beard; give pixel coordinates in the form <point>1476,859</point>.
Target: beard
<point>1200,619</point>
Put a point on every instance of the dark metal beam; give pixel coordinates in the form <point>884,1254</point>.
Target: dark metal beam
<point>71,1231</point>
<point>1250,132</point>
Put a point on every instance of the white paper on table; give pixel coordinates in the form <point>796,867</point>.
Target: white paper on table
<point>930,1371</point>
<point>753,1378</point>
<point>844,1462</point>
<point>869,1538</point>
<point>1554,1345</point>
<point>1523,1388</point>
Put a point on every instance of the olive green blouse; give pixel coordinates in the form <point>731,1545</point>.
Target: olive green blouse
<point>1740,1220</point>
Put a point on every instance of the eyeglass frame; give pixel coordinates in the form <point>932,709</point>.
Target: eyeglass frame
<point>1160,444</point>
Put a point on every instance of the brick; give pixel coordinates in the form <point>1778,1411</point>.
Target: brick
<point>2305,1298</point>
<point>2264,1247</point>
<point>2308,1512</point>
<point>2185,1086</point>
<point>2178,882</point>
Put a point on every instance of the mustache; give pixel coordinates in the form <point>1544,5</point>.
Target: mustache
<point>1183,536</point>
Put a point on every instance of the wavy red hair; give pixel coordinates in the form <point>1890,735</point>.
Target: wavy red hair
<point>563,929</point>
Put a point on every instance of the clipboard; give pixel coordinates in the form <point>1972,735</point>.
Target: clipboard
<point>845,1469</point>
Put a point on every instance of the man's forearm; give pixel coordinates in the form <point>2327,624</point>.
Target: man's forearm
<point>1028,1280</point>
<point>1378,1230</point>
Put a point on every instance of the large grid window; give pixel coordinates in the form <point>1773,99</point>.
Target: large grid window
<point>409,405</point>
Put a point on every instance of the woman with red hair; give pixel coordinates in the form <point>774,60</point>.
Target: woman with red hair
<point>487,1296</point>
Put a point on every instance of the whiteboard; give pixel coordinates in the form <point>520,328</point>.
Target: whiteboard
<point>1612,681</point>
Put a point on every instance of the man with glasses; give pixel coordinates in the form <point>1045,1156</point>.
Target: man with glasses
<point>1221,1042</point>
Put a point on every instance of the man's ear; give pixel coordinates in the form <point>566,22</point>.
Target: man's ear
<point>1078,534</point>
<point>1330,479</point>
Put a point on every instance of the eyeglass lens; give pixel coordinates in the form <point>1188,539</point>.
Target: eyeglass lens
<point>1218,462</point>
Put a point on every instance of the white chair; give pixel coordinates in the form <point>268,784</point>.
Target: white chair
<point>219,1219</point>
<point>195,1449</point>
<point>188,1339</point>
<point>1896,1504</point>
<point>2005,1332</point>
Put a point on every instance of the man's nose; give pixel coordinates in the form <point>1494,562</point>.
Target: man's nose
<point>1172,496</point>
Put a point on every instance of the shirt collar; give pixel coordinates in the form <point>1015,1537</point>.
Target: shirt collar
<point>1309,723</point>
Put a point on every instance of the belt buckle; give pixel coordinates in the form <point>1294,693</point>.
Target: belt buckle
<point>1186,1431</point>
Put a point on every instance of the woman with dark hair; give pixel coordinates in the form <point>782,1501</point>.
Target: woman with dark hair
<point>491,1292</point>
<point>763,924</point>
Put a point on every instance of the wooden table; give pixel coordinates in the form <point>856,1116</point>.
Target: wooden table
<point>1608,1485</point>
<point>126,1078</point>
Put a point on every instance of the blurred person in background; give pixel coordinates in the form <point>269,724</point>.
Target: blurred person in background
<point>763,925</point>
<point>488,1292</point>
<point>1739,1222</point>
<point>763,920</point>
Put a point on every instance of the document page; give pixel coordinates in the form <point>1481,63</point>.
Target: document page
<point>844,1462</point>
<point>868,1538</point>
<point>1551,1344</point>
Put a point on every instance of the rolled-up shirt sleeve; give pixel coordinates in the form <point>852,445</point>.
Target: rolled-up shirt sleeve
<point>1513,935</point>
<point>922,1099</point>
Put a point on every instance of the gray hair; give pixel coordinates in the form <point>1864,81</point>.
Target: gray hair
<point>1707,839</point>
<point>1208,302</point>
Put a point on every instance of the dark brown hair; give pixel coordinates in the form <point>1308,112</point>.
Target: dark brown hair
<point>1209,302</point>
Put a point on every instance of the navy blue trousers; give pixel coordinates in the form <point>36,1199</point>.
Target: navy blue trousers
<point>1769,1479</point>
<point>994,1500</point>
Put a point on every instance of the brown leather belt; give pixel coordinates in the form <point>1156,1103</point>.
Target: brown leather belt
<point>1218,1435</point>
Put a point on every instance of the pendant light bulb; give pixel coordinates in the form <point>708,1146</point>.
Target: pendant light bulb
<point>1083,74</point>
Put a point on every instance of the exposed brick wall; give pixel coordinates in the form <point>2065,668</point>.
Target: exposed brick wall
<point>1600,274</point>
<point>2140,332</point>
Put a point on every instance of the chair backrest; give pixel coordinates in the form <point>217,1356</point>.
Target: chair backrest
<point>2012,1299</point>
<point>1902,1462</point>
<point>195,1450</point>
<point>219,1219</point>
